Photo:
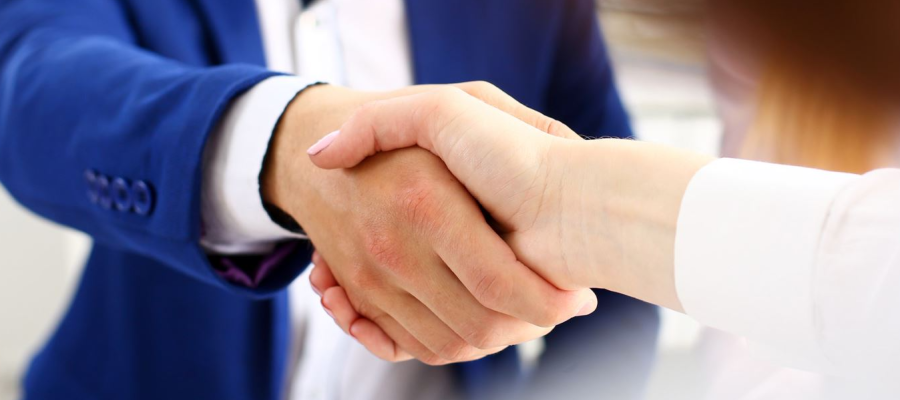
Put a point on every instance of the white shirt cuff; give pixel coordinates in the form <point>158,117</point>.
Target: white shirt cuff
<point>234,219</point>
<point>745,249</point>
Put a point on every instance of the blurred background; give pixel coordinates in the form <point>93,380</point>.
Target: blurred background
<point>658,51</point>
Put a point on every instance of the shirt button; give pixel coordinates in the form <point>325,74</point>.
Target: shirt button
<point>90,178</point>
<point>142,197</point>
<point>121,194</point>
<point>103,196</point>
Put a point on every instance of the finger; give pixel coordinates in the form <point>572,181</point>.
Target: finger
<point>450,301</point>
<point>374,339</point>
<point>430,331</point>
<point>366,332</point>
<point>321,278</point>
<point>405,341</point>
<point>445,296</point>
<point>499,99</point>
<point>493,96</point>
<point>479,326</point>
<point>417,120</point>
<point>489,269</point>
<point>338,306</point>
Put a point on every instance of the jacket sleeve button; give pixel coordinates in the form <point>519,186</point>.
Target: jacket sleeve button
<point>104,197</point>
<point>121,194</point>
<point>90,178</point>
<point>142,198</point>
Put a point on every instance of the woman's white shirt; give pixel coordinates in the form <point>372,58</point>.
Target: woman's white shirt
<point>803,263</point>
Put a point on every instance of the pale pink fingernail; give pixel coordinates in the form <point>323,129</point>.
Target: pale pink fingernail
<point>322,143</point>
<point>329,313</point>
<point>585,310</point>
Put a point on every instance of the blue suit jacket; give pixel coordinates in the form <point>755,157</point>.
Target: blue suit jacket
<point>117,97</point>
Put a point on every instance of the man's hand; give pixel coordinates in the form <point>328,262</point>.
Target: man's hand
<point>409,243</point>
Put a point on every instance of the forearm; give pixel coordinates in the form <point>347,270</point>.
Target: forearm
<point>622,199</point>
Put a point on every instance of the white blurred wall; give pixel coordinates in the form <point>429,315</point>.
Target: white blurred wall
<point>38,264</point>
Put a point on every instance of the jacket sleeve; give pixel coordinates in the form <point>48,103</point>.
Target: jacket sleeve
<point>583,91</point>
<point>105,137</point>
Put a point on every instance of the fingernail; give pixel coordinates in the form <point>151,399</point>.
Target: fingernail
<point>585,310</point>
<point>329,313</point>
<point>322,143</point>
<point>315,289</point>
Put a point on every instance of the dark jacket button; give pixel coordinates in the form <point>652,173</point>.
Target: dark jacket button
<point>121,194</point>
<point>142,197</point>
<point>103,195</point>
<point>90,178</point>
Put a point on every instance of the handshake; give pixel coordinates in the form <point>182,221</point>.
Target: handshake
<point>452,218</point>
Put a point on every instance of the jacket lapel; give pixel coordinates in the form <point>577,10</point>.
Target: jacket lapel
<point>234,27</point>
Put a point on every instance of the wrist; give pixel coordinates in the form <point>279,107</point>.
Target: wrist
<point>289,179</point>
<point>582,200</point>
<point>630,208</point>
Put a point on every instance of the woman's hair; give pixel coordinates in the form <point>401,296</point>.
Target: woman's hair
<point>829,87</point>
<point>809,117</point>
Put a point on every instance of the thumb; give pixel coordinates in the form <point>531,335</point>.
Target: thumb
<point>377,126</point>
<point>497,157</point>
<point>418,119</point>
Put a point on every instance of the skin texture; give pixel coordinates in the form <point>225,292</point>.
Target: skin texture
<point>408,242</point>
<point>582,214</point>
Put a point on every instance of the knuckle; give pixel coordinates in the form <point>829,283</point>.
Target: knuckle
<point>486,86</point>
<point>391,358</point>
<point>491,291</point>
<point>432,359</point>
<point>448,94</point>
<point>361,286</point>
<point>484,335</point>
<point>385,249</point>
<point>447,100</point>
<point>365,308</point>
<point>377,316</point>
<point>361,117</point>
<point>445,106</point>
<point>480,88</point>
<point>364,111</point>
<point>454,350</point>
<point>555,310</point>
<point>549,317</point>
<point>554,127</point>
<point>418,202</point>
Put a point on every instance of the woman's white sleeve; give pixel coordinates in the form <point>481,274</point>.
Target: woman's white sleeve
<point>804,263</point>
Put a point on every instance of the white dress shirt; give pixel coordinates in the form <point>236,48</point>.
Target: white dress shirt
<point>361,44</point>
<point>804,264</point>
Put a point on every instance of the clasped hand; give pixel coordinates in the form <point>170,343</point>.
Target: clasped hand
<point>415,268</point>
